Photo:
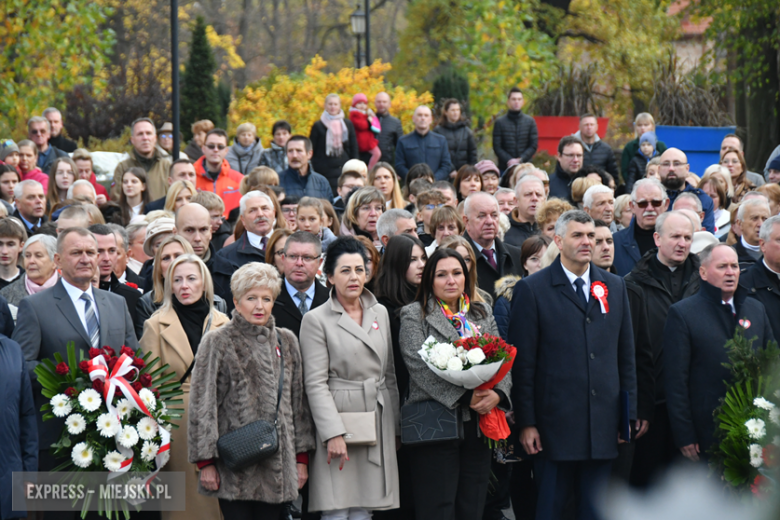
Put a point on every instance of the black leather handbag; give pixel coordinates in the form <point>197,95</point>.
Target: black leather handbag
<point>430,422</point>
<point>255,441</point>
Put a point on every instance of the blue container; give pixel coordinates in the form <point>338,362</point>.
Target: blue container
<point>700,143</point>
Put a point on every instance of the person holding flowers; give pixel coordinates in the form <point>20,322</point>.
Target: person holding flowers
<point>173,333</point>
<point>450,478</point>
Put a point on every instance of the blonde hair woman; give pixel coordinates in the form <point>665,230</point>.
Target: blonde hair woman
<point>383,177</point>
<point>179,194</point>
<point>260,176</point>
<point>173,334</point>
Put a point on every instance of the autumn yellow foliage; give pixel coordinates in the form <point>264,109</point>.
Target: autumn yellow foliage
<point>299,99</point>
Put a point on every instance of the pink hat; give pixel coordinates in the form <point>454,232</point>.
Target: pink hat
<point>359,98</point>
<point>487,166</point>
<point>512,162</point>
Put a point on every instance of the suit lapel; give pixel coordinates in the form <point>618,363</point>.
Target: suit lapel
<point>65,305</point>
<point>287,304</point>
<point>560,280</point>
<point>346,322</point>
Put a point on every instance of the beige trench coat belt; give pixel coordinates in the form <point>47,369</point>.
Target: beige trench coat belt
<point>372,394</point>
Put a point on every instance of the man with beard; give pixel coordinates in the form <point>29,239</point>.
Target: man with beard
<point>570,156</point>
<point>673,172</point>
<point>648,200</point>
<point>299,179</point>
<point>599,202</point>
<point>661,278</point>
<point>258,217</point>
<point>530,195</point>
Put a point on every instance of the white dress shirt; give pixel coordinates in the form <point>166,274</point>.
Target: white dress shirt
<point>256,241</point>
<point>585,277</point>
<point>80,305</point>
<point>730,303</point>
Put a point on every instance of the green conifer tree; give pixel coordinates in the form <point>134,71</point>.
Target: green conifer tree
<point>199,98</point>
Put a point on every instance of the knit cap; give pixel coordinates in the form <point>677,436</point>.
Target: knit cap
<point>359,98</point>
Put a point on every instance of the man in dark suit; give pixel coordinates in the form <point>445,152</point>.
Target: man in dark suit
<point>661,278</point>
<point>70,311</point>
<point>495,259</point>
<point>30,205</point>
<point>571,325</point>
<point>108,252</point>
<point>257,214</point>
<point>752,213</point>
<point>696,331</point>
<point>762,279</point>
<point>301,292</point>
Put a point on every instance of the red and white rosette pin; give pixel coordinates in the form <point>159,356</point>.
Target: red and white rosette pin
<point>600,292</point>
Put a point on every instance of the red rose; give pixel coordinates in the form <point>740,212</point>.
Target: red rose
<point>145,380</point>
<point>94,352</point>
<point>97,386</point>
<point>71,392</point>
<point>490,350</point>
<point>127,351</point>
<point>62,368</point>
<point>112,362</point>
<point>137,386</point>
<point>139,362</point>
<point>109,351</point>
<point>84,366</point>
<point>156,392</point>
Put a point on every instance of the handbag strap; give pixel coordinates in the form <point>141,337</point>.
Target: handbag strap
<point>189,369</point>
<point>281,375</point>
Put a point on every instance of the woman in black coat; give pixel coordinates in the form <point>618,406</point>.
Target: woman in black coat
<point>460,138</point>
<point>333,141</point>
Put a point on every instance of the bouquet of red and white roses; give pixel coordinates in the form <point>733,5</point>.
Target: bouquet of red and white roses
<point>479,362</point>
<point>117,411</point>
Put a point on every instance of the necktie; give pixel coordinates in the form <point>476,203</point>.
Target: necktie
<point>93,327</point>
<point>302,306</point>
<point>490,258</point>
<point>263,243</point>
<point>580,283</point>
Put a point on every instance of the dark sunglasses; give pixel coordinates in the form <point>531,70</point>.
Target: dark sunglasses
<point>213,146</point>
<point>655,202</point>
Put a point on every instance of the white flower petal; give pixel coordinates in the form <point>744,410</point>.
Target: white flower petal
<point>90,400</point>
<point>82,455</point>
<point>75,423</point>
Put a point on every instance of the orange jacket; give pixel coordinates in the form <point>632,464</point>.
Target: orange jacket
<point>226,185</point>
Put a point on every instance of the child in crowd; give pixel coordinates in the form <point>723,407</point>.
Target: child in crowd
<point>646,151</point>
<point>275,157</point>
<point>366,126</point>
<point>311,218</point>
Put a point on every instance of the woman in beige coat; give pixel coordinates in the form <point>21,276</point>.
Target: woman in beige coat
<point>348,367</point>
<point>173,334</point>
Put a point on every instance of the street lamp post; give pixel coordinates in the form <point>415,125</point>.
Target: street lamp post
<point>175,75</point>
<point>368,33</point>
<point>358,21</point>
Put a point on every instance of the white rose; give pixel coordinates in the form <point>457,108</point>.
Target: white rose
<point>476,356</point>
<point>460,350</point>
<point>454,364</point>
<point>463,358</point>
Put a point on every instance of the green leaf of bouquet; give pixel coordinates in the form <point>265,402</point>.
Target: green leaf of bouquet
<point>162,379</point>
<point>150,365</point>
<point>165,396</point>
<point>159,370</point>
<point>48,416</point>
<point>58,357</point>
<point>166,386</point>
<point>71,348</point>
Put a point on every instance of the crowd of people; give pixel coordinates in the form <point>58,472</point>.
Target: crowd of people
<point>324,262</point>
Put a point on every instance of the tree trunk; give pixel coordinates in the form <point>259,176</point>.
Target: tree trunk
<point>763,111</point>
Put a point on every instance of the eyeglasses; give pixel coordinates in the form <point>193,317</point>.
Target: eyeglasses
<point>216,146</point>
<point>37,132</point>
<point>572,155</point>
<point>279,252</point>
<point>216,218</point>
<point>432,206</point>
<point>306,258</point>
<point>289,210</point>
<point>676,164</point>
<point>655,202</point>
<point>168,136</point>
<point>378,208</point>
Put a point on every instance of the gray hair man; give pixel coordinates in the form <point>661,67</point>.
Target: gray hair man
<point>82,190</point>
<point>495,259</point>
<point>395,222</point>
<point>30,203</point>
<point>530,195</point>
<point>762,279</point>
<point>39,132</point>
<point>258,215</point>
<point>599,202</point>
<point>751,215</point>
<point>648,202</point>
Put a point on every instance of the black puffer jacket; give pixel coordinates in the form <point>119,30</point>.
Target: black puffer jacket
<point>388,138</point>
<point>514,137</point>
<point>658,301</point>
<point>461,143</point>
<point>601,155</point>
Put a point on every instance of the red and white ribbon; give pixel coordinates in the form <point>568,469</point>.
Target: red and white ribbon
<point>600,292</point>
<point>113,380</point>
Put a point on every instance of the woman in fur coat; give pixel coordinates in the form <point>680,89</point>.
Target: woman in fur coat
<point>235,382</point>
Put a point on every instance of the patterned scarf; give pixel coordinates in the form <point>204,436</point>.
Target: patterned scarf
<point>337,133</point>
<point>459,321</point>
